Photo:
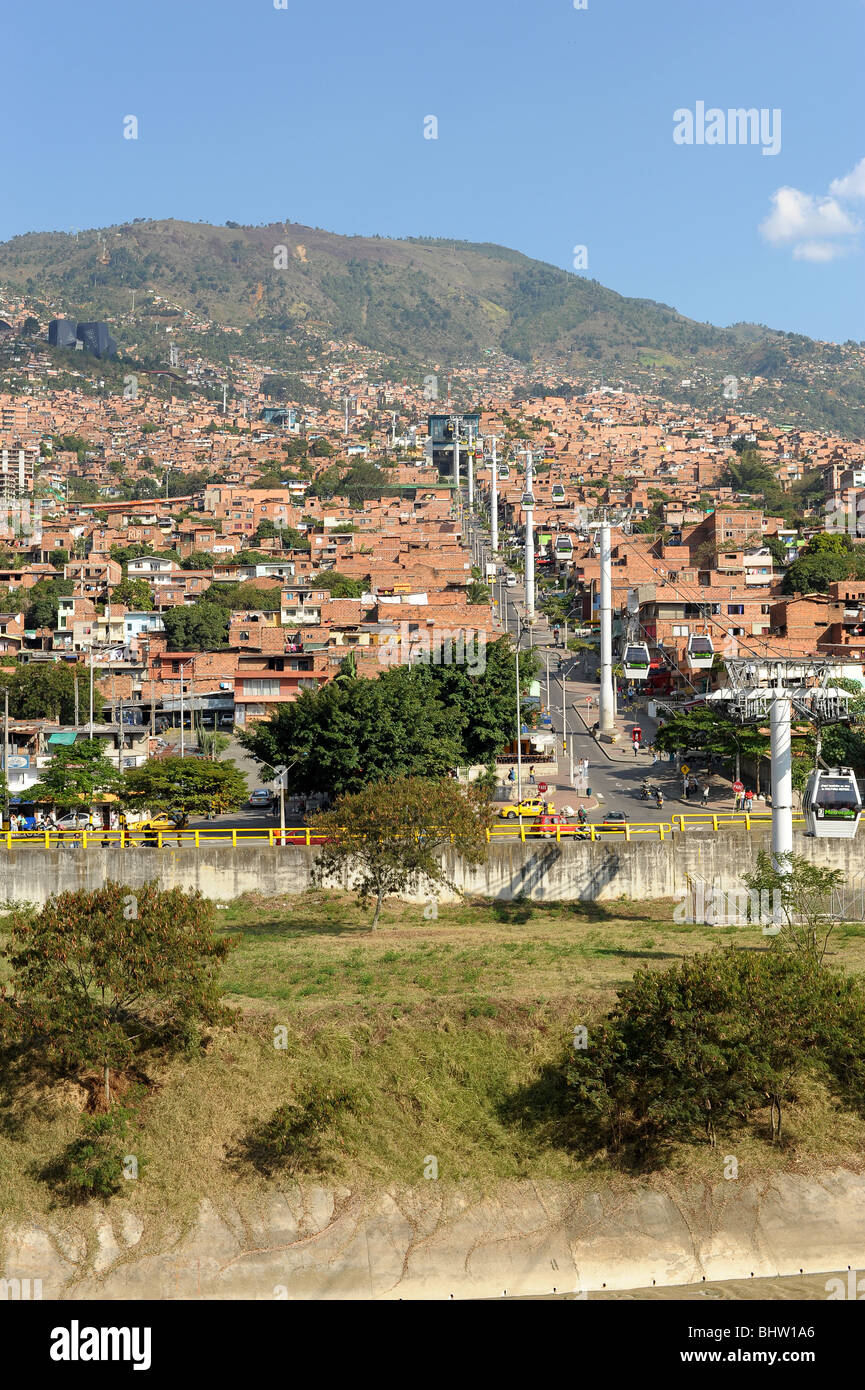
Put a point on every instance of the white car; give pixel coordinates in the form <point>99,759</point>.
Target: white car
<point>260,797</point>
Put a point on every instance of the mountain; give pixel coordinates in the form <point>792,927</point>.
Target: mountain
<point>424,303</point>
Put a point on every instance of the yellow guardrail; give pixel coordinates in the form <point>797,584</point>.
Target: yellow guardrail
<point>132,837</point>
<point>721,818</point>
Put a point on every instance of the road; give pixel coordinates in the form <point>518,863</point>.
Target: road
<point>615,776</point>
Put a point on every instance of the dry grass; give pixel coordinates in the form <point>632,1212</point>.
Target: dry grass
<point>449,1034</point>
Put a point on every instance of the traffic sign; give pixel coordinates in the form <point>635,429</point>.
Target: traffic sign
<point>542,786</point>
<point>738,786</point>
<point>685,769</point>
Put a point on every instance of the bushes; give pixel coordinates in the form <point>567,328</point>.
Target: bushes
<point>711,1041</point>
<point>94,1164</point>
<point>299,1136</point>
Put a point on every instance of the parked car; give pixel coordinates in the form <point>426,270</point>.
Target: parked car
<point>260,796</point>
<point>74,820</point>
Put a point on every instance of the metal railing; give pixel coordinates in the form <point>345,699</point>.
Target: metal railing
<point>526,829</point>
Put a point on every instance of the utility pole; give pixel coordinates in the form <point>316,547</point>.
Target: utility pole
<point>547,658</point>
<point>519,732</point>
<point>471,469</point>
<point>564,718</point>
<point>456,426</point>
<point>605,701</point>
<point>76,704</point>
<point>6,757</point>
<point>528,508</point>
<point>91,692</point>
<point>183,666</point>
<point>782,779</point>
<point>494,504</point>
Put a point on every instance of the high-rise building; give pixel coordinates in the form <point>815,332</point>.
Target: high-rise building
<point>62,332</point>
<point>16,474</point>
<point>96,339</point>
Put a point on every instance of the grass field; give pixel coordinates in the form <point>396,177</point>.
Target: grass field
<point>441,1038</point>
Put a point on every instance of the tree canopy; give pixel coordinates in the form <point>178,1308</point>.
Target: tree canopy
<point>99,978</point>
<point>184,787</point>
<point>389,835</point>
<point>77,774</point>
<point>411,721</point>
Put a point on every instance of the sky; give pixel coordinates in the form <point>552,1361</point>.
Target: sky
<point>555,128</point>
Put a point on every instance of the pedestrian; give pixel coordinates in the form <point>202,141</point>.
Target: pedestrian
<point>532,773</point>
<point>687,791</point>
<point>749,799</point>
<point>737,803</point>
<point>706,795</point>
<point>512,776</point>
<point>13,823</point>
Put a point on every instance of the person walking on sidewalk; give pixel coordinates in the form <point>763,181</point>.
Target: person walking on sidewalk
<point>706,795</point>
<point>532,774</point>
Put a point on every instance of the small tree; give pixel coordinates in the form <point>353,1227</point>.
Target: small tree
<point>390,835</point>
<point>77,774</point>
<point>184,787</point>
<point>801,893</point>
<point>98,978</point>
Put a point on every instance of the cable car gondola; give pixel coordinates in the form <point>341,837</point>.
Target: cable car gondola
<point>635,661</point>
<point>701,653</point>
<point>833,804</point>
<point>503,470</point>
<point>558,492</point>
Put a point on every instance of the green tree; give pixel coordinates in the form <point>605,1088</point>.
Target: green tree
<point>710,1041</point>
<point>184,787</point>
<point>135,593</point>
<point>42,599</point>
<point>389,836</point>
<point>705,731</point>
<point>338,585</point>
<point>420,721</point>
<point>803,894</point>
<point>100,978</point>
<point>77,774</point>
<point>197,627</point>
<point>46,690</point>
<point>355,732</point>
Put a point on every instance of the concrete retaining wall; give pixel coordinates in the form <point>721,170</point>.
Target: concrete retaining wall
<point>539,869</point>
<point>448,1242</point>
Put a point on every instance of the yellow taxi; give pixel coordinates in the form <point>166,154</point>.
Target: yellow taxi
<point>529,806</point>
<point>159,822</point>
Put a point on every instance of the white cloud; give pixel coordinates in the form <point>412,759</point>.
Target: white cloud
<point>817,228</point>
<point>818,251</point>
<point>796,215</point>
<point>852,185</point>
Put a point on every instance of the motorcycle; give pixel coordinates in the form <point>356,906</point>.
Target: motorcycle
<point>646,792</point>
<point>659,800</point>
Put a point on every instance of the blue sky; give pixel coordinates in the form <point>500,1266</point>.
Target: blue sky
<point>555,129</point>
